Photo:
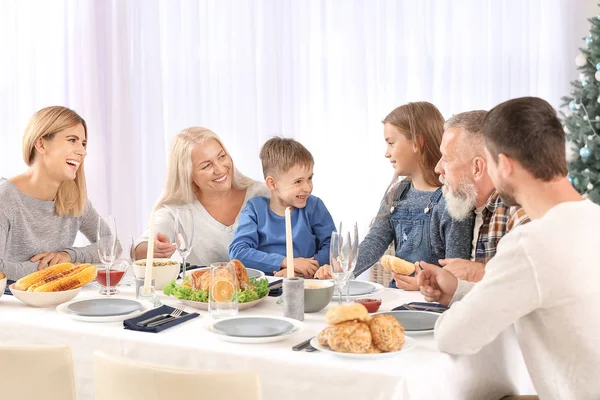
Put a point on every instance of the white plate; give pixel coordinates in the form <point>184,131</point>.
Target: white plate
<point>409,344</point>
<point>62,308</point>
<point>204,306</point>
<point>256,340</point>
<point>378,288</point>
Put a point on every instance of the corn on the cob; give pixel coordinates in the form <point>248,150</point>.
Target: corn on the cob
<point>26,281</point>
<point>52,278</point>
<point>81,278</point>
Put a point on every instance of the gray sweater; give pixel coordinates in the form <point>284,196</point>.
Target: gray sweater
<point>29,226</point>
<point>448,238</point>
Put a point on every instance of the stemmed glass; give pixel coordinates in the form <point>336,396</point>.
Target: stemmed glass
<point>107,245</point>
<point>343,254</point>
<point>184,234</point>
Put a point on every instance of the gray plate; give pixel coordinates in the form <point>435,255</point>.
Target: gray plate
<point>254,327</point>
<point>103,307</point>
<point>415,321</point>
<point>254,273</point>
<point>359,288</point>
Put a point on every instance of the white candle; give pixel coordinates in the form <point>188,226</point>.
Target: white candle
<point>289,244</point>
<point>149,257</point>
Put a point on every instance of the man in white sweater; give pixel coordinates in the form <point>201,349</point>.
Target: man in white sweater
<point>545,277</point>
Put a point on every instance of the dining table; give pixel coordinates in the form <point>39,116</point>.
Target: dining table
<point>422,372</point>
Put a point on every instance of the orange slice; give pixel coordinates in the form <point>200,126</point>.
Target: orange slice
<point>222,291</point>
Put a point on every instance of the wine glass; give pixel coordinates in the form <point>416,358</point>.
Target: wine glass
<point>343,256</point>
<point>184,234</point>
<point>107,246</point>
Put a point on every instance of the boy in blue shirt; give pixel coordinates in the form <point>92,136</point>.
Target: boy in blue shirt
<point>259,240</point>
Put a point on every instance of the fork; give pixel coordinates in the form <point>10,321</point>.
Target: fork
<point>160,319</point>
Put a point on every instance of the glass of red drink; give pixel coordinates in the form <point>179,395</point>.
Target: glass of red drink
<point>117,270</point>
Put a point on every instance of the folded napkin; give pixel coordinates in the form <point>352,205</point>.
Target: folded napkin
<point>132,323</point>
<point>417,306</point>
<point>275,288</point>
<point>6,289</point>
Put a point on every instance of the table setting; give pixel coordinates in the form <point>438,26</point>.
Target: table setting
<point>279,341</point>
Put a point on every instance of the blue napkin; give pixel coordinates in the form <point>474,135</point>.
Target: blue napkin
<point>132,323</point>
<point>6,289</point>
<point>275,288</point>
<point>417,306</point>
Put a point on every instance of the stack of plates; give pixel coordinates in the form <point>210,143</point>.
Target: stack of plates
<point>255,329</point>
<point>102,309</point>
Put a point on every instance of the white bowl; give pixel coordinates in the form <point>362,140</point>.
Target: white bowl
<point>162,275</point>
<point>44,299</point>
<point>2,286</point>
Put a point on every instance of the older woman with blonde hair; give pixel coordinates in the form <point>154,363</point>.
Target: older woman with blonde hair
<point>44,208</point>
<point>202,178</point>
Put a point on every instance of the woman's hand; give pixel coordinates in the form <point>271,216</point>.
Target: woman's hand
<point>50,259</point>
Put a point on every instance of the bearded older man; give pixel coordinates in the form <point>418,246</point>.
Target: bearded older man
<point>467,188</point>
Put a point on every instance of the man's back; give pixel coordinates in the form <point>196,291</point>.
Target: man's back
<point>544,279</point>
<point>560,340</point>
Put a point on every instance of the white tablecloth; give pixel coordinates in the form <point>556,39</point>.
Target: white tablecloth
<point>421,373</point>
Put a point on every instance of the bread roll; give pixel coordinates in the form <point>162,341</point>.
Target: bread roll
<point>397,265</point>
<point>346,312</point>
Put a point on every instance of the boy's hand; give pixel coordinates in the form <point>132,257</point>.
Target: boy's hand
<point>306,266</point>
<point>324,272</point>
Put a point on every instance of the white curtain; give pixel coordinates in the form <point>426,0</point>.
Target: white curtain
<point>323,72</point>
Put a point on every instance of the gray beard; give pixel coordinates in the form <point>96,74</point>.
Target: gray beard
<point>460,204</point>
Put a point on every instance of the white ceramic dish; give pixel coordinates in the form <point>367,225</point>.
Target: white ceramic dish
<point>44,299</point>
<point>63,309</point>
<point>257,340</point>
<point>162,275</point>
<point>409,344</point>
<point>204,306</point>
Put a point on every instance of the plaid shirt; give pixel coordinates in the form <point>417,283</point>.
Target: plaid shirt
<point>498,220</point>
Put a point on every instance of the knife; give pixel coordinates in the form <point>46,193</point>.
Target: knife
<point>152,319</point>
<point>302,345</point>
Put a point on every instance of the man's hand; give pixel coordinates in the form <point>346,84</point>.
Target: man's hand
<point>436,283</point>
<point>408,283</point>
<point>464,269</point>
<point>50,259</point>
<point>324,272</point>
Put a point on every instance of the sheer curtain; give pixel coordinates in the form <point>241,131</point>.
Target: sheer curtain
<point>323,72</point>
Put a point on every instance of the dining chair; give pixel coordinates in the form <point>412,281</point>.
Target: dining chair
<point>117,378</point>
<point>37,372</point>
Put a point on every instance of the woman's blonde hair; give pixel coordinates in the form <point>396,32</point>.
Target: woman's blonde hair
<point>180,188</point>
<point>423,124</point>
<point>71,198</point>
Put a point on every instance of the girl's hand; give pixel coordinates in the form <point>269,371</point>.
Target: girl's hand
<point>408,283</point>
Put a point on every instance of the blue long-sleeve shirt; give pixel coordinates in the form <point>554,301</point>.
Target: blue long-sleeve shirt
<point>259,241</point>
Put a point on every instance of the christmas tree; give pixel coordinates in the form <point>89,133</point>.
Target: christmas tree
<point>581,118</point>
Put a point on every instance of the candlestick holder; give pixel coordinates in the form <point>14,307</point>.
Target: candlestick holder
<point>293,298</point>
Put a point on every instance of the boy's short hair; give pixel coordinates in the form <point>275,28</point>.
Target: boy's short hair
<point>279,154</point>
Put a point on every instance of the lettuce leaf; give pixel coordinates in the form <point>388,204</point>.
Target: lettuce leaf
<point>257,289</point>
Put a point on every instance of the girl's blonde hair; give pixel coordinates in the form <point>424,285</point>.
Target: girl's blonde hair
<point>179,188</point>
<point>71,198</point>
<point>423,124</point>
